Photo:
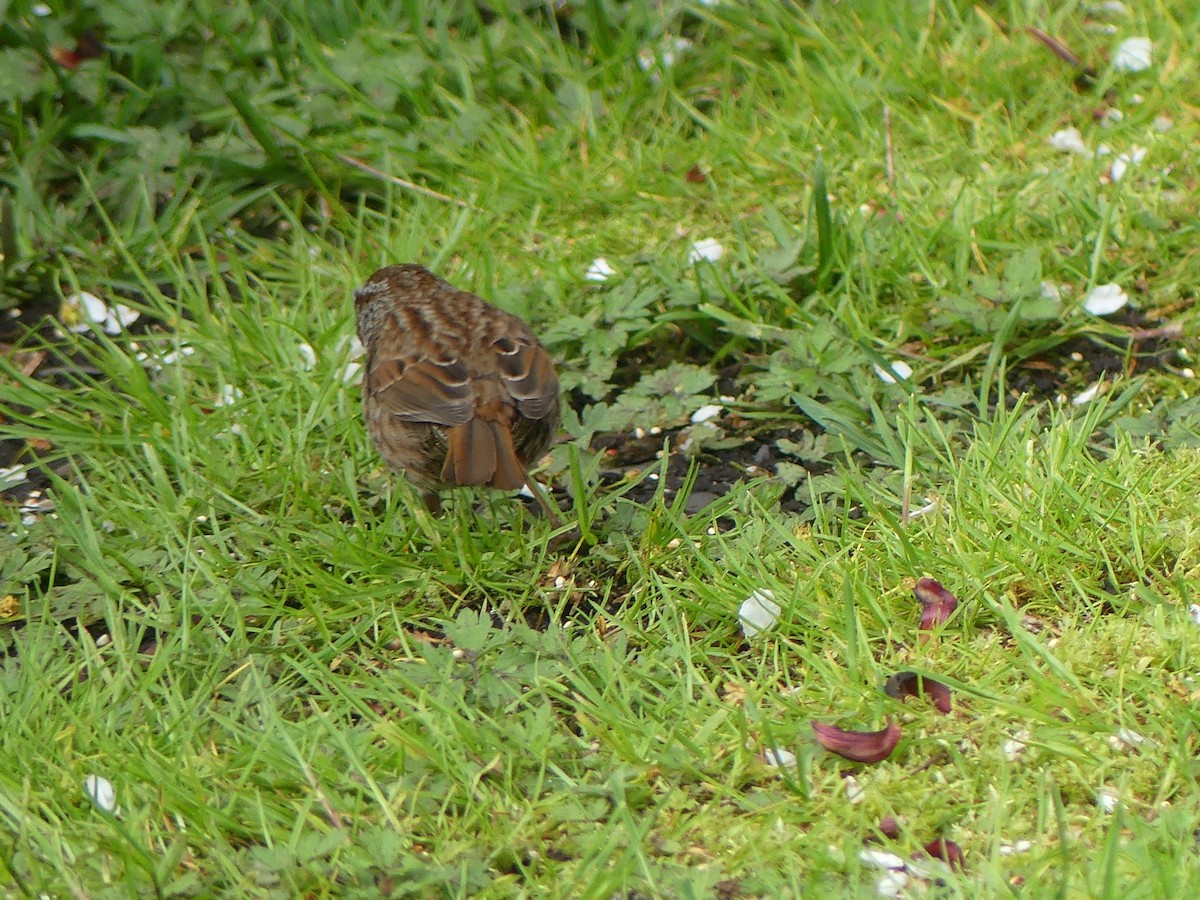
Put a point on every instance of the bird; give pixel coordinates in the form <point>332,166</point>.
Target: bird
<point>456,392</point>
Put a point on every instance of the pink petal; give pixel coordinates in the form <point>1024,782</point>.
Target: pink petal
<point>859,746</point>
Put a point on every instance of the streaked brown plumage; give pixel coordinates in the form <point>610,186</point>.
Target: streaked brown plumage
<point>456,391</point>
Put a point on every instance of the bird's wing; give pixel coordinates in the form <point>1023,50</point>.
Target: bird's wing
<point>418,389</point>
<point>528,374</point>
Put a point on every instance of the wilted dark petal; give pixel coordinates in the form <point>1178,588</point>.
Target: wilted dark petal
<point>859,746</point>
<point>947,851</point>
<point>889,827</point>
<point>87,47</point>
<point>910,684</point>
<point>936,603</point>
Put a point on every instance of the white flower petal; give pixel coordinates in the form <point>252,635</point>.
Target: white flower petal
<point>1015,847</point>
<point>709,250</point>
<point>89,309</point>
<point>1194,612</point>
<point>527,493</point>
<point>351,372</point>
<point>229,395</point>
<point>900,367</point>
<point>758,612</point>
<point>599,270</point>
<point>930,506</point>
<point>1128,739</point>
<point>101,792</point>
<point>1069,140</point>
<point>892,884</point>
<point>1105,299</point>
<point>1119,165</point>
<point>1133,55</point>
<point>780,758</point>
<point>120,317</point>
<point>12,475</point>
<point>308,356</point>
<point>880,859</point>
<point>1048,290</point>
<point>704,413</point>
<point>1088,394</point>
<point>176,355</point>
<point>1108,800</point>
<point>1015,746</point>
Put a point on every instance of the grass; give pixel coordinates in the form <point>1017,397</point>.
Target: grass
<point>310,686</point>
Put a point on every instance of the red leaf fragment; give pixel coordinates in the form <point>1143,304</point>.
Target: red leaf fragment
<point>859,746</point>
<point>910,684</point>
<point>937,603</point>
<point>695,175</point>
<point>947,851</point>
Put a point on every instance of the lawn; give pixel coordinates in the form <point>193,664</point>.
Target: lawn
<point>869,312</point>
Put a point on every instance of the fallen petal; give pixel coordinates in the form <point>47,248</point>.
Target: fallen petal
<point>1108,800</point>
<point>859,746</point>
<point>889,827</point>
<point>709,250</point>
<point>1128,739</point>
<point>892,883</point>
<point>1193,611</point>
<point>119,318</point>
<point>1015,745</point>
<point>1048,290</point>
<point>101,792</point>
<point>1069,140</point>
<point>1133,55</point>
<point>880,859</point>
<point>758,612</point>
<point>175,356</point>
<point>930,506</point>
<point>937,603</point>
<point>1105,299</point>
<point>854,791</point>
<point>704,413</point>
<point>1122,163</point>
<point>13,475</point>
<point>910,684</point>
<point>83,310</point>
<point>599,270</point>
<point>900,367</point>
<point>1088,394</point>
<point>308,356</point>
<point>947,851</point>
<point>780,758</point>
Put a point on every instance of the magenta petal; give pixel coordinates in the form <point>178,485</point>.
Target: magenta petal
<point>859,746</point>
<point>910,684</point>
<point>937,603</point>
<point>947,851</point>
